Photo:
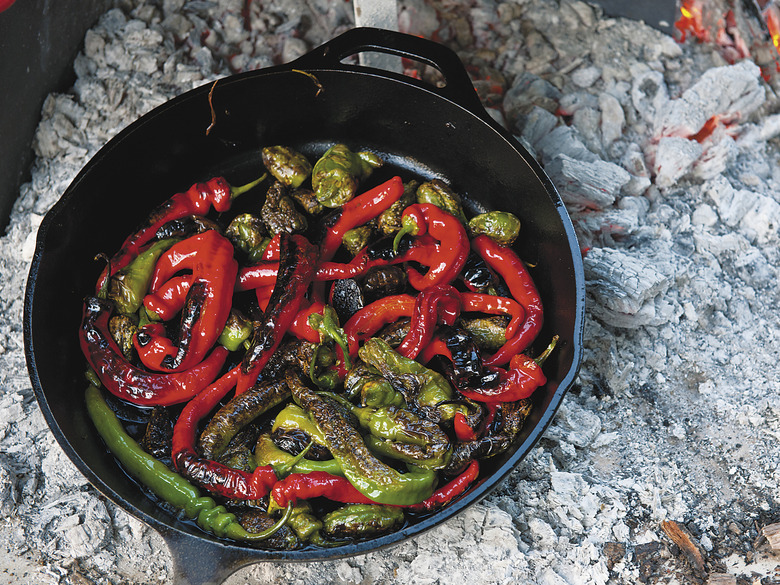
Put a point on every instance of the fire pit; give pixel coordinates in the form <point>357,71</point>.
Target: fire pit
<point>661,465</point>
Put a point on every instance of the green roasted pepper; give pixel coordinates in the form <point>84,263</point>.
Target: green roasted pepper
<point>166,484</point>
<point>502,226</point>
<point>287,166</point>
<point>338,172</point>
<point>438,193</point>
<point>247,233</point>
<point>417,383</point>
<point>360,520</point>
<point>372,478</point>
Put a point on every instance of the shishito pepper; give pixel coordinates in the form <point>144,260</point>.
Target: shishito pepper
<point>418,384</point>
<point>247,233</point>
<point>197,200</point>
<point>372,478</point>
<point>336,175</point>
<point>438,193</point>
<point>210,258</point>
<point>502,226</point>
<point>286,165</point>
<point>166,484</point>
<point>297,265</point>
<point>136,385</point>
<point>360,520</point>
<point>451,244</point>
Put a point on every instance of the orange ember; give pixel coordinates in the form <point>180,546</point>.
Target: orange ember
<point>692,21</point>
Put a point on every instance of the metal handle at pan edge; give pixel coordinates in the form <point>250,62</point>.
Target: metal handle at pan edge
<point>458,87</point>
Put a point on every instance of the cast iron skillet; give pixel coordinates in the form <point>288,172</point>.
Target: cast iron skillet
<point>422,130</point>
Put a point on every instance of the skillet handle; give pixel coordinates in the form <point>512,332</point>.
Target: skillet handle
<point>458,87</point>
<point>199,562</point>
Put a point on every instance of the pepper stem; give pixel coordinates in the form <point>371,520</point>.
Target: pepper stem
<point>270,531</point>
<point>407,227</point>
<point>240,190</point>
<point>286,468</point>
<point>548,350</point>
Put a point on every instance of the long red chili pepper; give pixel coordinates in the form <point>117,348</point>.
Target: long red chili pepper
<point>358,211</point>
<point>305,486</point>
<point>215,477</point>
<point>508,265</point>
<point>209,256</point>
<point>440,303</point>
<point>197,200</point>
<point>447,493</point>
<point>133,384</point>
<point>519,381</point>
<point>374,316</point>
<point>297,265</point>
<point>452,244</point>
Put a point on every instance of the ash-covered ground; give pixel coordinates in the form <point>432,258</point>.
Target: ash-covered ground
<point>662,463</point>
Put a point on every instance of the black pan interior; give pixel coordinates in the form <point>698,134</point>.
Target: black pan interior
<point>417,130</point>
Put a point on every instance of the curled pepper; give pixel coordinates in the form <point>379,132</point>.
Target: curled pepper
<point>358,211</point>
<point>297,264</point>
<point>451,248</point>
<point>133,384</point>
<point>127,287</point>
<point>210,258</point>
<point>514,272</point>
<point>197,200</point>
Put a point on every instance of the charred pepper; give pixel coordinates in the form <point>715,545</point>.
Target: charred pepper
<point>338,172</point>
<point>286,165</point>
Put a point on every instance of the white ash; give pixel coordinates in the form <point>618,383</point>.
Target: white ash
<point>675,415</point>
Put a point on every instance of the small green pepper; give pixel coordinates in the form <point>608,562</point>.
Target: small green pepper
<point>287,166</point>
<point>338,172</point>
<point>237,330</point>
<point>128,287</point>
<point>417,383</point>
<point>389,221</point>
<point>327,325</point>
<point>489,333</point>
<point>438,193</point>
<point>166,484</point>
<point>502,226</point>
<point>360,520</point>
<point>279,213</point>
<point>365,381</point>
<point>356,239</point>
<point>247,233</point>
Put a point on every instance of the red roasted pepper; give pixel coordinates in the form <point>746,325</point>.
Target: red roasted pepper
<point>136,385</point>
<point>440,303</point>
<point>210,258</point>
<point>169,298</point>
<point>447,493</point>
<point>215,477</point>
<point>197,200</point>
<point>297,265</point>
<point>524,376</point>
<point>358,211</point>
<point>508,265</point>
<point>373,317</point>
<point>451,244</point>
<point>305,486</point>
